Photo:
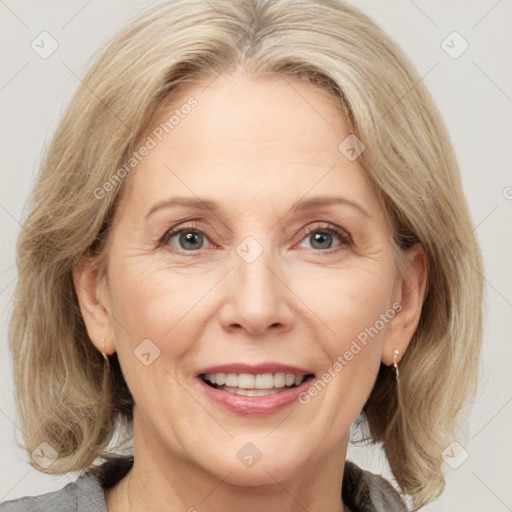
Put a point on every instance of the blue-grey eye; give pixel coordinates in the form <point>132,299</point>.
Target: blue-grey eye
<point>187,239</point>
<point>321,240</point>
<point>324,238</point>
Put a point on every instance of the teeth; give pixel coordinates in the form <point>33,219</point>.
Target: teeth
<point>231,380</point>
<point>265,381</point>
<point>250,392</point>
<point>246,383</point>
<point>290,379</point>
<point>246,380</point>
<point>279,380</point>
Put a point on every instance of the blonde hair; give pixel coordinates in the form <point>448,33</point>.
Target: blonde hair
<point>62,394</point>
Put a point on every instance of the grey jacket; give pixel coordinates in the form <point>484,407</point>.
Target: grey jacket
<point>362,491</point>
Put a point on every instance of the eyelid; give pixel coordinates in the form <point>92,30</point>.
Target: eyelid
<point>189,225</point>
<point>344,235</point>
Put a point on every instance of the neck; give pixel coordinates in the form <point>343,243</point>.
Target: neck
<point>163,480</point>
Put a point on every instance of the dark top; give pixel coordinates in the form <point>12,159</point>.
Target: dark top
<point>362,491</point>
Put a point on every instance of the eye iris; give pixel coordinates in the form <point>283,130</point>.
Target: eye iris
<point>320,237</point>
<point>189,238</point>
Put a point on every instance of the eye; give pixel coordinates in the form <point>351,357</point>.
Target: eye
<point>187,238</point>
<point>323,237</point>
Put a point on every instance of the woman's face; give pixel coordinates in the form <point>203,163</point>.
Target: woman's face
<point>246,243</point>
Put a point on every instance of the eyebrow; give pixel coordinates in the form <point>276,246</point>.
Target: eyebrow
<point>214,207</point>
<point>327,201</point>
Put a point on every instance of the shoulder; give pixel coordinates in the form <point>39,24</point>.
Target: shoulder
<point>84,495</point>
<point>364,491</point>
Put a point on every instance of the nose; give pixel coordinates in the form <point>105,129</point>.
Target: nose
<point>257,298</point>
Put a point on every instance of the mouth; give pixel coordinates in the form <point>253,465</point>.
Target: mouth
<point>247,384</point>
<point>254,390</point>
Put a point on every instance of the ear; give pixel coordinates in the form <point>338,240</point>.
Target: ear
<point>92,293</point>
<point>410,292</point>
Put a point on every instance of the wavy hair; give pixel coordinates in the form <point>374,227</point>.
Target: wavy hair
<point>65,397</point>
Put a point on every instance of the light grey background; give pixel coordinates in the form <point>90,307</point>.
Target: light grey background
<point>474,93</point>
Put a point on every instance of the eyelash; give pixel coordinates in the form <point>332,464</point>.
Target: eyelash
<point>344,236</point>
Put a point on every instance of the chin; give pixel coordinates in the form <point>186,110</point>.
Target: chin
<point>262,474</point>
<point>252,468</point>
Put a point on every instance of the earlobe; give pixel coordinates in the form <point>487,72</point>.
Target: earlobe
<point>411,289</point>
<point>92,297</point>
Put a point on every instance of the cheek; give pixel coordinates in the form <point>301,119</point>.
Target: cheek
<point>158,303</point>
<point>355,305</point>
<point>155,304</point>
<point>349,301</point>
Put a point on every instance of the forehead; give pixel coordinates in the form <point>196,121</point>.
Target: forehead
<point>245,140</point>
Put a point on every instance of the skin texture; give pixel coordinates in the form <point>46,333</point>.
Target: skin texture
<point>255,146</point>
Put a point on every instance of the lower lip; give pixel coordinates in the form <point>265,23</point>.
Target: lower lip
<point>255,405</point>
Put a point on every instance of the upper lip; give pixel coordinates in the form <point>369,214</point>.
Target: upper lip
<point>256,369</point>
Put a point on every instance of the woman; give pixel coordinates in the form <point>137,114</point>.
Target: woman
<point>247,233</point>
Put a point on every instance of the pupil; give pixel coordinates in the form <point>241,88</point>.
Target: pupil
<point>188,239</point>
<point>321,237</point>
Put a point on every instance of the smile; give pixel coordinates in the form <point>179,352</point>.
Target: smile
<point>254,390</point>
<point>253,385</point>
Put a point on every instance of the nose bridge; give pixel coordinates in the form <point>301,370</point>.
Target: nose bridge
<point>253,277</point>
<point>258,298</point>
